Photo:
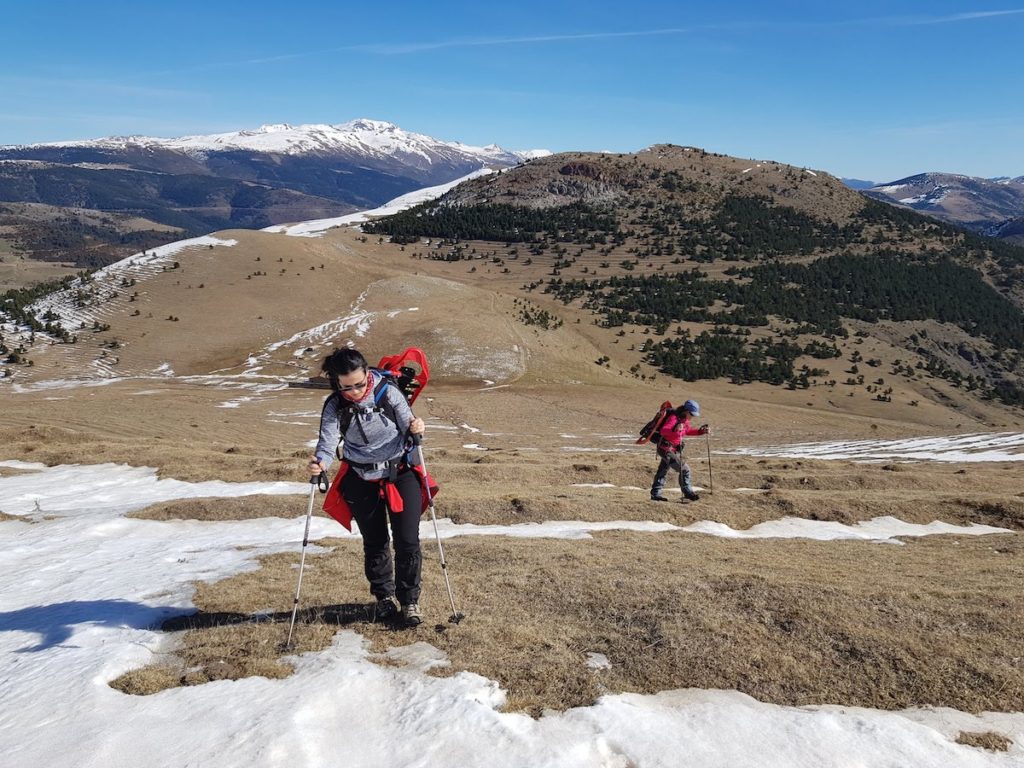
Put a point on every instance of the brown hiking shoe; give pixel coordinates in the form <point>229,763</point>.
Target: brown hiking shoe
<point>411,615</point>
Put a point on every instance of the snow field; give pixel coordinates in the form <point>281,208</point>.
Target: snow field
<point>92,582</point>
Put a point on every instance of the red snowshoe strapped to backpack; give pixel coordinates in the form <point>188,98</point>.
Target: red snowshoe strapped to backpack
<point>409,370</point>
<point>650,432</point>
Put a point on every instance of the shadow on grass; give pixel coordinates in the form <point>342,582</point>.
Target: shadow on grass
<point>340,615</point>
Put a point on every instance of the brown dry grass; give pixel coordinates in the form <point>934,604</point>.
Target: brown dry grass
<point>993,742</point>
<point>196,453</point>
<point>17,272</point>
<point>218,653</point>
<point>791,622</point>
<point>237,508</point>
<point>12,471</point>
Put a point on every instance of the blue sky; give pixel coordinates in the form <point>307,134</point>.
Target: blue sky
<point>872,90</point>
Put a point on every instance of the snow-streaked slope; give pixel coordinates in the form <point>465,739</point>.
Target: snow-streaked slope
<point>317,227</point>
<point>73,314</point>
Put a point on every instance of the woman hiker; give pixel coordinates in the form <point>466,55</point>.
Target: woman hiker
<point>373,421</point>
<point>670,449</point>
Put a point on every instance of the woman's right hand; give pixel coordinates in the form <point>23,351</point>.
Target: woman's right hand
<point>314,466</point>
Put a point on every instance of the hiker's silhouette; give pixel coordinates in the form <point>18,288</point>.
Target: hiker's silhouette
<point>55,623</point>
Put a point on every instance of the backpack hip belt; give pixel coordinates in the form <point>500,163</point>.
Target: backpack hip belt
<point>393,466</point>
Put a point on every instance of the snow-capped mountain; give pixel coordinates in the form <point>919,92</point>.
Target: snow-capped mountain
<point>275,174</point>
<point>979,204</point>
<point>363,138</point>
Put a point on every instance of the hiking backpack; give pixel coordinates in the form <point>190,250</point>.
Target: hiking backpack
<point>650,432</point>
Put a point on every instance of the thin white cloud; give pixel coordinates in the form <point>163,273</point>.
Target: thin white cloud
<point>963,17</point>
<point>391,49</point>
<point>400,48</point>
<point>412,47</point>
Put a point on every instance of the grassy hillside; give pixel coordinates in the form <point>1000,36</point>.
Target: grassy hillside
<point>752,269</point>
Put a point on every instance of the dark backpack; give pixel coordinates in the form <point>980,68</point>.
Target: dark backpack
<point>650,433</point>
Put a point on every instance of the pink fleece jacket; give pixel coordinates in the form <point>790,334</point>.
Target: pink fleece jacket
<point>673,430</point>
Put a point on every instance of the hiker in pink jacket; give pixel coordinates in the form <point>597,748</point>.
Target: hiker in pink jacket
<point>670,449</point>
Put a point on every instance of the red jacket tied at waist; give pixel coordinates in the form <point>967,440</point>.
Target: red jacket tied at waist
<point>336,506</point>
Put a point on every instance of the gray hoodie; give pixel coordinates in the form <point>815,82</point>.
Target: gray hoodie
<point>371,438</point>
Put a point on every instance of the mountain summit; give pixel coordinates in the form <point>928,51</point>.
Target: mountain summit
<point>357,138</point>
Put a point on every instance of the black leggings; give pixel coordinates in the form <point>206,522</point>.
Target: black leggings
<point>372,516</point>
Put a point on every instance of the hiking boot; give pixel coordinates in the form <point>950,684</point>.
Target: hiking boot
<point>411,615</point>
<point>386,609</point>
<point>658,498</point>
<point>691,496</point>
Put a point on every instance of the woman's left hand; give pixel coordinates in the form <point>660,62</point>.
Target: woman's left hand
<point>417,426</point>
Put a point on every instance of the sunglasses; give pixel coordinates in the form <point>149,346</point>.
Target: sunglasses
<point>355,387</point>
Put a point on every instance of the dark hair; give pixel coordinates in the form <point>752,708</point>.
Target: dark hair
<point>340,362</point>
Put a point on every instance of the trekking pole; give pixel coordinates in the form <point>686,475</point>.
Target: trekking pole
<point>315,481</point>
<point>711,480</point>
<point>456,617</point>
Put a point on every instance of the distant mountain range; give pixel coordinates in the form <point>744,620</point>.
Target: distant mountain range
<point>195,184</point>
<point>858,183</point>
<point>992,207</point>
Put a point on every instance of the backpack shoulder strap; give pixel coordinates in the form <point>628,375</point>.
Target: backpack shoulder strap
<point>380,392</point>
<point>345,410</point>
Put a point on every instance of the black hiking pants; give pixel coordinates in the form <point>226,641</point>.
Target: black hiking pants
<point>402,578</point>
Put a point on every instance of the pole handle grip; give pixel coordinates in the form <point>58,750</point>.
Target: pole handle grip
<point>320,481</point>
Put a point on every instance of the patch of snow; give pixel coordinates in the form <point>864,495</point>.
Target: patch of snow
<point>983,447</point>
<point>597,661</point>
<point>878,529</point>
<point>97,584</point>
<point>890,188</point>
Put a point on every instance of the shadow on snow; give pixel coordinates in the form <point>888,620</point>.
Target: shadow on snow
<point>55,623</point>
